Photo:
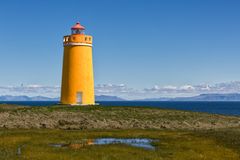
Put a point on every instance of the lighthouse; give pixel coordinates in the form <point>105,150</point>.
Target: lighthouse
<point>77,72</point>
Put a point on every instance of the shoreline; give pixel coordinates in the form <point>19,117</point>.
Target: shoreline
<point>213,107</point>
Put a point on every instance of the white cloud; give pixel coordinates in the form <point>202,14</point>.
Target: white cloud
<point>187,87</point>
<point>170,87</point>
<point>120,90</point>
<point>31,90</point>
<point>126,92</point>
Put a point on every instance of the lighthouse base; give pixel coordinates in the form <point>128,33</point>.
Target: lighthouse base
<point>95,104</point>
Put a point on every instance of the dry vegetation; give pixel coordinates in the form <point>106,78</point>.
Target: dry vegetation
<point>90,117</point>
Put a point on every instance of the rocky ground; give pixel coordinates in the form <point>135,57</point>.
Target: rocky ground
<point>89,117</point>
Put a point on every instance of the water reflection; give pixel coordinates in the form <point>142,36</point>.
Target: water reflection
<point>136,142</point>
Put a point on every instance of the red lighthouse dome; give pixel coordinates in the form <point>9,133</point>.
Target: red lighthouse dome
<point>77,28</point>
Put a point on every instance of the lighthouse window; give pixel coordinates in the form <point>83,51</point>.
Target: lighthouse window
<point>85,38</point>
<point>89,38</point>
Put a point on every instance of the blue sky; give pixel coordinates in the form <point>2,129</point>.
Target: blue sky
<point>140,44</point>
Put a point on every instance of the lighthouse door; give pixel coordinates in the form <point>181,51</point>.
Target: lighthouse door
<point>79,97</point>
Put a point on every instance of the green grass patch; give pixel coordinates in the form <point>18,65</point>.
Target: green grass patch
<point>180,145</point>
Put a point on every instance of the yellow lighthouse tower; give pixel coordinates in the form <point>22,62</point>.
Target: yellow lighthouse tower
<point>77,73</point>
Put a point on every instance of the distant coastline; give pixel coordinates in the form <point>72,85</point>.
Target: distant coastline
<point>201,97</point>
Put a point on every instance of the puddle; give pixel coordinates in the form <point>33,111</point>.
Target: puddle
<point>58,145</point>
<point>136,142</point>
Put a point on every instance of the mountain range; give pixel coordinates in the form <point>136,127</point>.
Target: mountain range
<point>201,97</point>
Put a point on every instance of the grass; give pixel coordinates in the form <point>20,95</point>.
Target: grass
<point>181,135</point>
<point>180,145</point>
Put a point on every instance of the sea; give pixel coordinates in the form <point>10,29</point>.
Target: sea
<point>224,108</point>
